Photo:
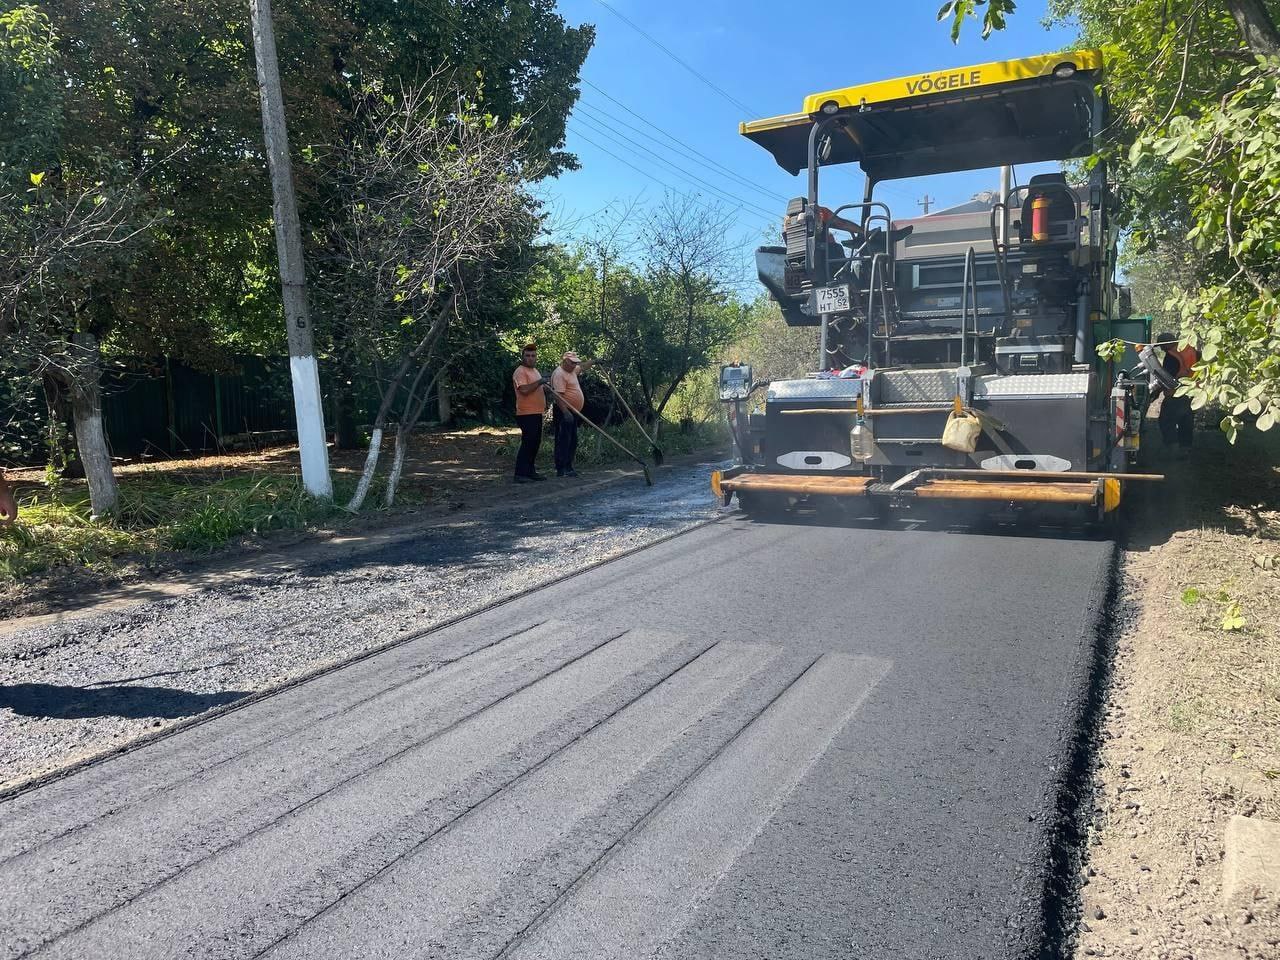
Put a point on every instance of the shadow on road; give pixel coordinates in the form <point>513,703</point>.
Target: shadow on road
<point>54,702</point>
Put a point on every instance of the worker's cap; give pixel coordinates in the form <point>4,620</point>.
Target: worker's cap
<point>1167,337</point>
<point>571,357</point>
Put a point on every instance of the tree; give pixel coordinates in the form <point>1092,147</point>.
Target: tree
<point>63,231</point>
<point>125,83</point>
<point>55,248</point>
<point>690,264</point>
<point>141,80</point>
<point>650,293</point>
<point>1196,141</point>
<point>776,351</point>
<point>432,188</point>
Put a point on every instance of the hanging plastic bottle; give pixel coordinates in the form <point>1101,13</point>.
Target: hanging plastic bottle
<point>861,443</point>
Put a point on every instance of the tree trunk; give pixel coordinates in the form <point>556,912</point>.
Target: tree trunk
<point>91,438</point>
<point>413,413</point>
<point>397,465</point>
<point>370,468</point>
<point>1257,29</point>
<point>420,354</point>
<point>375,441</point>
<point>444,408</point>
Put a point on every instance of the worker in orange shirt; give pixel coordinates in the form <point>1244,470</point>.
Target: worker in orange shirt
<point>1177,420</point>
<point>531,406</point>
<point>567,393</point>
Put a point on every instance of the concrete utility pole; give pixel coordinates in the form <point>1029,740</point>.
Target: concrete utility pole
<point>302,357</point>
<point>926,202</point>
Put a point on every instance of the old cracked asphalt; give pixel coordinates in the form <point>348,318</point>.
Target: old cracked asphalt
<point>751,740</point>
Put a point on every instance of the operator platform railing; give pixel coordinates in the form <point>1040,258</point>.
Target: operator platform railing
<point>969,304</point>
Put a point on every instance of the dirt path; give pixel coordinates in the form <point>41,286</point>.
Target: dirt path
<point>1192,731</point>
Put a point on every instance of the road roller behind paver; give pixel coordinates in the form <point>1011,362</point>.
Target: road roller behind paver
<point>956,359</point>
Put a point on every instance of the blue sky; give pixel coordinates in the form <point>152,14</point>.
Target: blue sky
<point>755,52</point>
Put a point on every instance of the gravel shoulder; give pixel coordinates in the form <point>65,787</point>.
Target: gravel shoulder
<point>1191,732</point>
<point>74,686</point>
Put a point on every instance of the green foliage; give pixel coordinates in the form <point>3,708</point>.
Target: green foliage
<point>993,17</point>
<point>30,97</point>
<point>154,514</point>
<point>1195,143</point>
<point>22,413</point>
<point>1233,619</point>
<point>153,108</point>
<point>92,88</point>
<point>1111,349</point>
<point>1231,183</point>
<point>661,323</point>
<point>1191,596</point>
<point>775,350</point>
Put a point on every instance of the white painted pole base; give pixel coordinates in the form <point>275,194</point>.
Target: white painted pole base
<point>311,438</point>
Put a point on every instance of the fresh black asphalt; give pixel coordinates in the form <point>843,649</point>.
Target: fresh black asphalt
<point>753,740</point>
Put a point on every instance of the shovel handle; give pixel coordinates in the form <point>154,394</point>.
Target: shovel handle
<point>603,432</point>
<point>626,406</point>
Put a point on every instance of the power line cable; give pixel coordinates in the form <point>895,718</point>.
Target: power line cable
<point>689,153</point>
<point>511,62</point>
<point>623,140</point>
<point>455,22</point>
<point>645,120</point>
<point>665,49</point>
<point>710,192</point>
<point>645,173</point>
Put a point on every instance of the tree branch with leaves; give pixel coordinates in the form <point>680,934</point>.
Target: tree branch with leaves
<point>430,189</point>
<point>1196,144</point>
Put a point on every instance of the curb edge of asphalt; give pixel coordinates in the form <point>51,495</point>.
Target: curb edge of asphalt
<point>320,539</point>
<point>44,779</point>
<point>1077,754</point>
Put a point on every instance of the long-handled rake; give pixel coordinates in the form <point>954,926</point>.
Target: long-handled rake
<point>648,476</point>
<point>654,450</point>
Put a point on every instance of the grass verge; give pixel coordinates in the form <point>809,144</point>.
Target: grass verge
<point>202,504</point>
<point>155,513</point>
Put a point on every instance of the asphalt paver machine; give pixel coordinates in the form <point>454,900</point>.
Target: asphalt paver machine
<point>957,354</point>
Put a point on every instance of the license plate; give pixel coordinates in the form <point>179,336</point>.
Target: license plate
<point>833,299</point>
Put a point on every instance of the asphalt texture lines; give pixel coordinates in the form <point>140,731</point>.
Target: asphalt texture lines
<point>76,688</point>
<point>752,740</point>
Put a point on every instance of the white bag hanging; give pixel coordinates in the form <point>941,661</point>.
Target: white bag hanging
<point>961,432</point>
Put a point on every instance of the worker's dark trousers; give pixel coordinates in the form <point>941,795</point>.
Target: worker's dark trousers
<point>566,428</point>
<point>530,439</point>
<point>1177,421</point>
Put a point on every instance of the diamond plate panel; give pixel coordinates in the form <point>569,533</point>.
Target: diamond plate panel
<point>833,389</point>
<point>1032,385</point>
<point>916,386</point>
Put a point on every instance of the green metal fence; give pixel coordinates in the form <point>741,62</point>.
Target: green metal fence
<point>166,408</point>
<point>170,409</point>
